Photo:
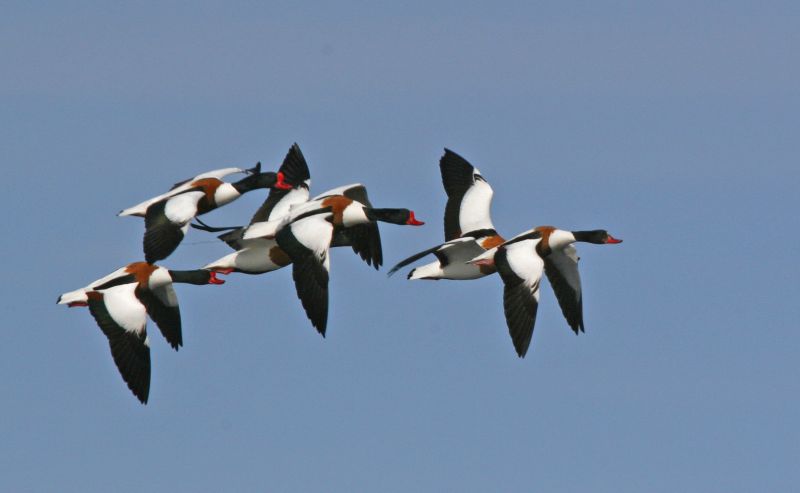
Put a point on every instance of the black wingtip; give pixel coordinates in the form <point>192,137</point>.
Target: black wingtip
<point>321,325</point>
<point>577,327</point>
<point>451,158</point>
<point>254,170</point>
<point>410,273</point>
<point>521,348</point>
<point>294,166</point>
<point>321,322</point>
<point>140,392</point>
<point>161,236</point>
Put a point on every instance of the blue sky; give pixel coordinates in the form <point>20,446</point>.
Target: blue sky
<point>672,125</point>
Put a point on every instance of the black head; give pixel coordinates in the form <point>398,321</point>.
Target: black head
<point>596,236</point>
<point>394,216</point>
<point>255,181</point>
<point>198,276</point>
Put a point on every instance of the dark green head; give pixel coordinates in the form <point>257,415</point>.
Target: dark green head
<point>394,216</point>
<point>267,179</point>
<point>596,236</point>
<point>198,276</point>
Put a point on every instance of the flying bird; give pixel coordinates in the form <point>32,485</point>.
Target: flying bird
<point>342,216</point>
<point>260,255</point>
<point>167,216</point>
<point>521,261</point>
<point>468,228</point>
<point>120,303</point>
<point>354,221</point>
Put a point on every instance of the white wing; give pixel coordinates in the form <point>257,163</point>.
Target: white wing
<point>521,269</point>
<point>218,173</point>
<point>264,229</point>
<point>476,208</point>
<point>561,267</point>
<point>314,232</point>
<point>79,295</point>
<point>307,242</point>
<point>293,198</point>
<point>141,208</point>
<point>182,208</point>
<point>337,191</point>
<point>126,310</point>
<point>268,229</point>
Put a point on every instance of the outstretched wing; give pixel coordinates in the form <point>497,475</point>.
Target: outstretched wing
<point>166,223</point>
<point>365,239</point>
<point>358,193</point>
<point>456,250</point>
<point>306,241</point>
<point>180,187</point>
<point>162,306</point>
<point>520,267</point>
<point>295,172</point>
<point>217,173</point>
<point>122,319</point>
<point>561,267</point>
<point>413,259</point>
<point>354,191</point>
<point>469,197</point>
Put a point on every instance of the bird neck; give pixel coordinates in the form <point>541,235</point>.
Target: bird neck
<point>253,182</point>
<point>197,276</point>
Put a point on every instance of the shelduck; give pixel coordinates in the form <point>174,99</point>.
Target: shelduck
<point>167,216</point>
<point>120,303</point>
<point>353,218</point>
<point>520,262</point>
<point>356,220</point>
<point>340,217</point>
<point>468,228</point>
<point>337,219</point>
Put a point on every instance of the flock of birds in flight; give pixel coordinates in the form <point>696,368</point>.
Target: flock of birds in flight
<point>291,228</point>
